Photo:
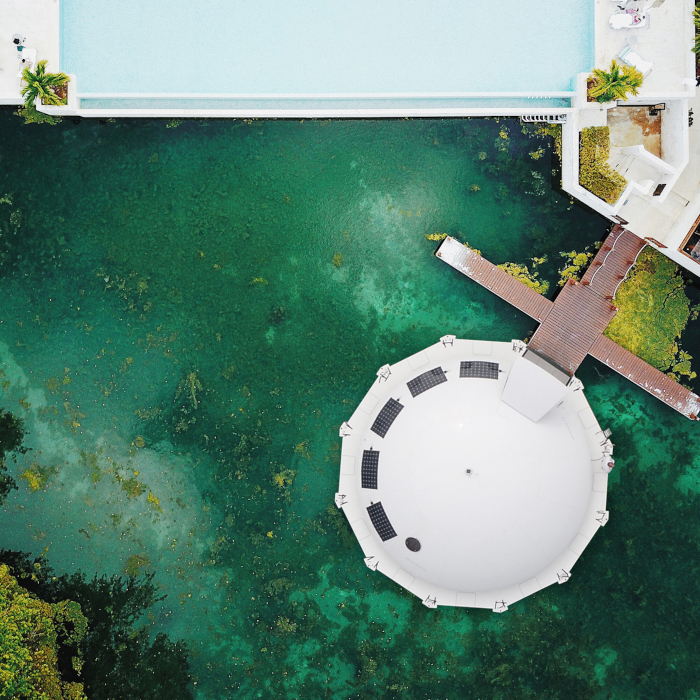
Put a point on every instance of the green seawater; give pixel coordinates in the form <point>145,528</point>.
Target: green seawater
<point>188,314</point>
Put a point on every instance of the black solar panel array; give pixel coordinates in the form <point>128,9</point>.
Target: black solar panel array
<point>380,521</point>
<point>370,466</point>
<point>386,417</point>
<point>478,370</point>
<point>426,381</point>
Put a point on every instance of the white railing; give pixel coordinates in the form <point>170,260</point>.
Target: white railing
<point>548,118</point>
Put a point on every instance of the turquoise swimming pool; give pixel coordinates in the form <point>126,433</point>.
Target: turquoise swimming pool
<point>233,53</point>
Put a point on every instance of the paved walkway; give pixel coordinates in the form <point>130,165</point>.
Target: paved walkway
<point>572,326</point>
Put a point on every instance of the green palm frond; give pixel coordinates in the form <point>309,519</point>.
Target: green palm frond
<point>616,83</point>
<point>40,85</point>
<point>696,21</point>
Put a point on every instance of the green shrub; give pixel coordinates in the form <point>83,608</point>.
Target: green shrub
<point>32,115</point>
<point>696,21</point>
<point>43,86</point>
<point>654,312</point>
<point>121,658</point>
<point>553,130</point>
<point>594,172</point>
<point>615,83</point>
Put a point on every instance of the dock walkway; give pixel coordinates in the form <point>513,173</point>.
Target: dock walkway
<point>470,263</point>
<point>647,377</point>
<point>613,261</point>
<point>572,326</point>
<point>577,319</point>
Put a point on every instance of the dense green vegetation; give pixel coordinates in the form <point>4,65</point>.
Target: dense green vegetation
<point>594,172</point>
<point>529,277</point>
<point>118,658</point>
<point>43,86</point>
<point>33,634</point>
<point>553,130</point>
<point>575,266</point>
<point>654,311</point>
<point>32,115</point>
<point>11,436</point>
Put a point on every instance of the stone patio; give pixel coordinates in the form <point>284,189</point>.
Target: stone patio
<point>632,126</point>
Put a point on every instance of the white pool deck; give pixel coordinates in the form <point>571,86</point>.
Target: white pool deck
<point>669,221</point>
<point>38,20</point>
<point>501,505</point>
<point>665,41</point>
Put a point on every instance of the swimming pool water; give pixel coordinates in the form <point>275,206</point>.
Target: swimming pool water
<point>347,105</point>
<point>315,48</point>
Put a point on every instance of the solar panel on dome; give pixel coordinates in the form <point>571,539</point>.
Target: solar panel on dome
<point>478,370</point>
<point>370,466</point>
<point>380,521</point>
<point>426,381</point>
<point>386,417</point>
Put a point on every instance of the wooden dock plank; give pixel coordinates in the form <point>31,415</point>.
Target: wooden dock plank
<point>579,316</point>
<point>472,265</point>
<point>613,261</point>
<point>645,376</point>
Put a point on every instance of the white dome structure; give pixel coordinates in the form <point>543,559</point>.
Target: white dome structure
<point>455,493</point>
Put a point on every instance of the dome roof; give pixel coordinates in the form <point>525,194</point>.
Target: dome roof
<point>457,496</point>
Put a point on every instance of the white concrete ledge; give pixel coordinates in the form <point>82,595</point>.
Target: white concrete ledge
<point>65,111</point>
<point>325,96</point>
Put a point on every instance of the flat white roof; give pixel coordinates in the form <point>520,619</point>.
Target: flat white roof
<point>495,500</point>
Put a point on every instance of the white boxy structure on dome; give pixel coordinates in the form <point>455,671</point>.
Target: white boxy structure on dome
<point>459,497</point>
<point>534,385</point>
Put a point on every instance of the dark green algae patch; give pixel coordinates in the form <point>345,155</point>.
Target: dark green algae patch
<point>190,313</point>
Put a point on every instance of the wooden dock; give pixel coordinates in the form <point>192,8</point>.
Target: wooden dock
<point>647,377</point>
<point>471,264</point>
<point>572,326</point>
<point>577,319</point>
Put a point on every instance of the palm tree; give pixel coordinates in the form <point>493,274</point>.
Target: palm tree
<point>41,85</point>
<point>616,83</point>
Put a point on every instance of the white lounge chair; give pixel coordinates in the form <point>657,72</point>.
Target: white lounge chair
<point>628,19</point>
<point>630,58</point>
